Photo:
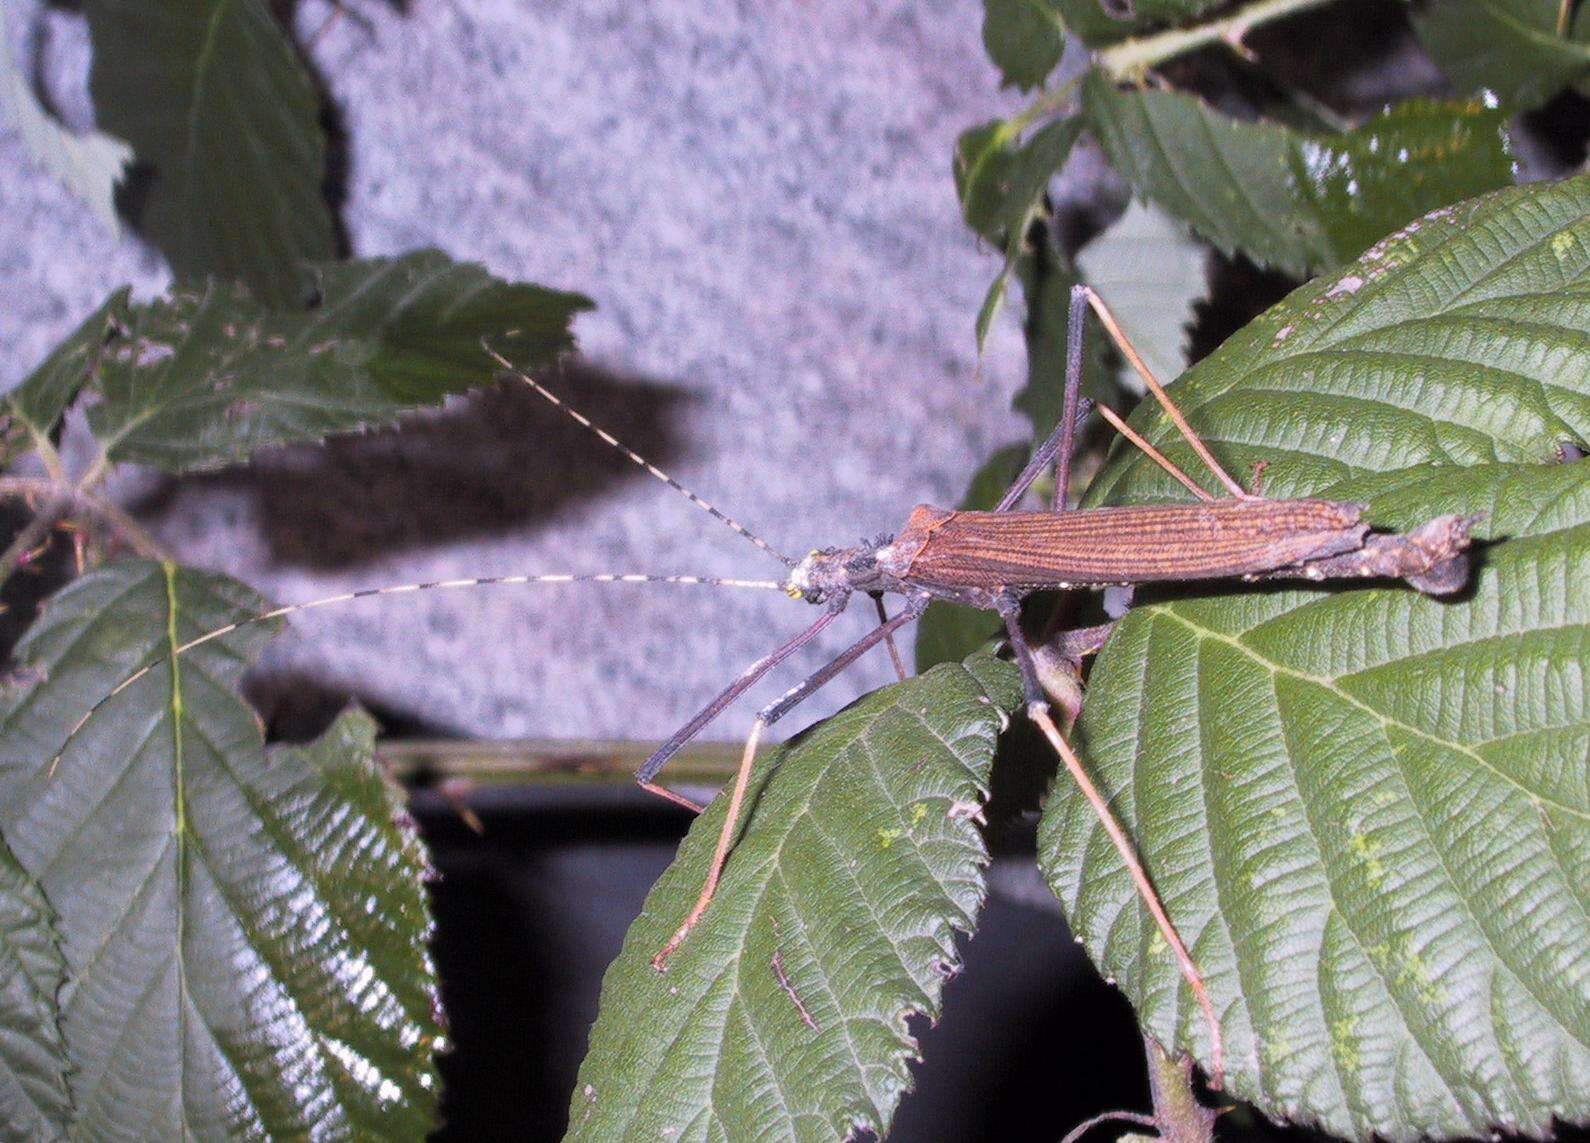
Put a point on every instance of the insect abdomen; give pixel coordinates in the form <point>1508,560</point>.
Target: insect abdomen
<point>1134,544</point>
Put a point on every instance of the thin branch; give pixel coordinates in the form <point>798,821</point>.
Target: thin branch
<point>110,514</point>
<point>1130,59</point>
<point>540,762</point>
<point>34,531</point>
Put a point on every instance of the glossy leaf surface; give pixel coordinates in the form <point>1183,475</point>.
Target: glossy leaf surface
<point>1519,49</point>
<point>1290,200</point>
<point>33,1099</point>
<point>36,404</point>
<point>1024,38</point>
<point>1001,186</point>
<point>244,930</point>
<point>213,99</point>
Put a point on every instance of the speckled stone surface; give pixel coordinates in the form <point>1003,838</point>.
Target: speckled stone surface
<point>757,197</point>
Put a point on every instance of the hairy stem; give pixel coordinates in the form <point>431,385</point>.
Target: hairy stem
<point>1177,1112</point>
<point>1130,59</point>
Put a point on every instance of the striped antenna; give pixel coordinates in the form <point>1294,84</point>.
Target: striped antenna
<point>404,589</point>
<point>608,438</point>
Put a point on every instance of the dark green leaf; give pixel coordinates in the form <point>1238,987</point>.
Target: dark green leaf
<point>244,930</point>
<point>1024,38</point>
<point>1002,188</point>
<point>212,97</point>
<point>983,158</point>
<point>89,164</point>
<point>1102,21</point>
<point>33,1099</point>
<point>1458,340</point>
<point>1367,810</point>
<point>1514,48</point>
<point>1000,184</point>
<point>1291,200</point>
<point>207,376</point>
<point>949,632</point>
<point>783,1015</point>
<point>45,394</point>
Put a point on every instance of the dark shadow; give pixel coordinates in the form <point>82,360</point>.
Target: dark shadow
<point>528,917</point>
<point>297,708</point>
<point>494,460</point>
<point>1239,291</point>
<point>1562,129</point>
<point>1032,1040</point>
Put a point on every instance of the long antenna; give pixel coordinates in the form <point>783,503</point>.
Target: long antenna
<point>608,438</point>
<point>403,589</point>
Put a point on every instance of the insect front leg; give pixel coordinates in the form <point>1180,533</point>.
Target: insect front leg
<point>765,718</point>
<point>660,757</point>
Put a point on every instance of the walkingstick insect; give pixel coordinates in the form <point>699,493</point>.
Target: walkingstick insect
<point>992,560</point>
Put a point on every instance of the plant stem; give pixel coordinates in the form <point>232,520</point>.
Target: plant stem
<point>1177,1112</point>
<point>1046,104</point>
<point>34,531</point>
<point>110,514</point>
<point>553,762</point>
<point>1130,59</point>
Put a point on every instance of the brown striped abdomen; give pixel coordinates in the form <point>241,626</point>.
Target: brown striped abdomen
<point>1133,545</point>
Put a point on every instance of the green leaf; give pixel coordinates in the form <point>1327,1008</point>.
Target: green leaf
<point>33,1099</point>
<point>1367,813</point>
<point>88,164</point>
<point>1001,188</point>
<point>208,375</point>
<point>1101,23</point>
<point>38,402</point>
<point>1000,184</point>
<point>949,632</point>
<point>244,930</point>
<point>1513,48</point>
<point>783,1015</point>
<point>1287,199</point>
<point>1366,810</point>
<point>212,97</point>
<point>1150,273</point>
<point>1024,38</point>
<point>1460,339</point>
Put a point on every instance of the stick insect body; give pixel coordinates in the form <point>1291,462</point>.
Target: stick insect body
<point>992,560</point>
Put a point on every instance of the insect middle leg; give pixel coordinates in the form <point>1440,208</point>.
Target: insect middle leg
<point>1071,647</point>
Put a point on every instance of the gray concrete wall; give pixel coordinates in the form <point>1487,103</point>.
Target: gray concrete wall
<point>758,198</point>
